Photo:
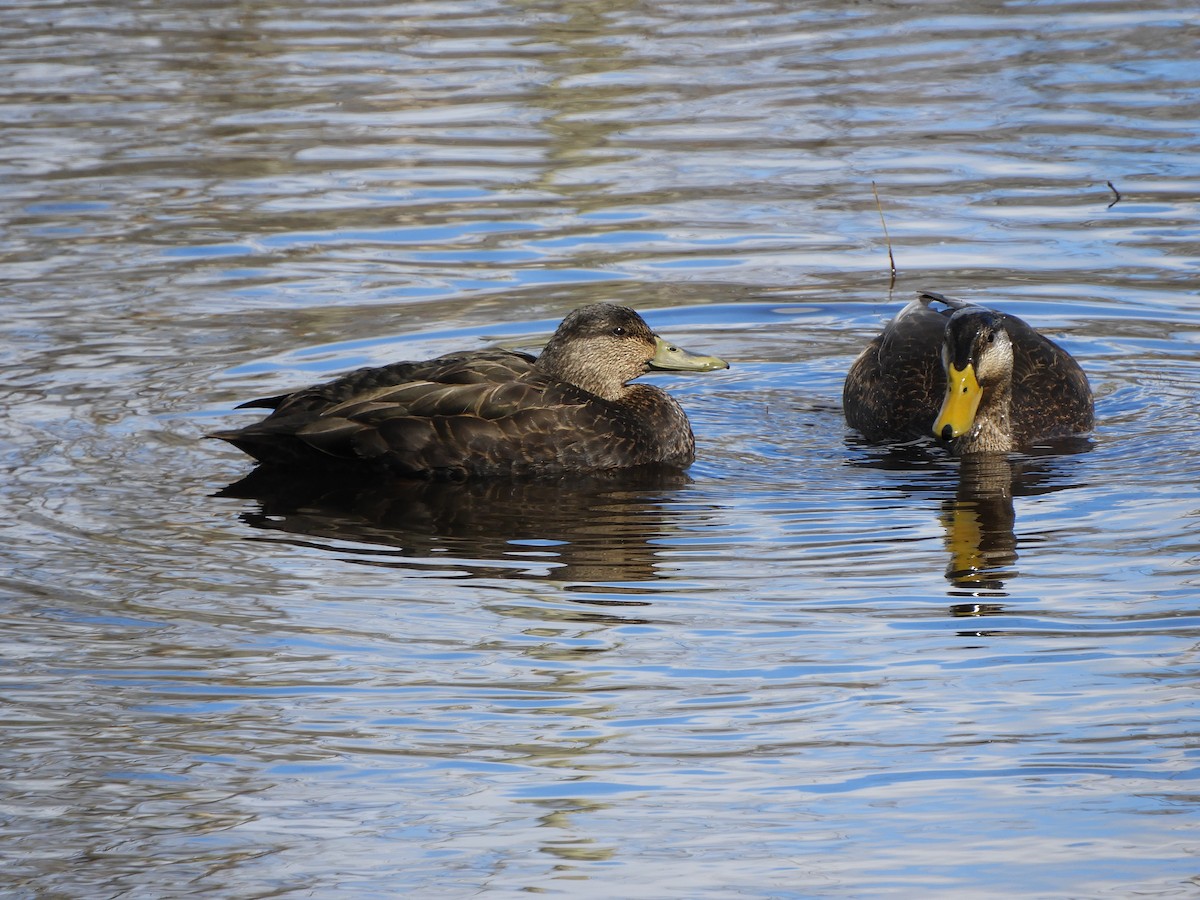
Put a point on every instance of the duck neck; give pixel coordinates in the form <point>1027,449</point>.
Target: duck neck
<point>582,370</point>
<point>993,428</point>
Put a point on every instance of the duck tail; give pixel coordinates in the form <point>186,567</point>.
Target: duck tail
<point>927,297</point>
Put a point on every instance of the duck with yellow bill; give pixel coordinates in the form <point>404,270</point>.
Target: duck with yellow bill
<point>977,379</point>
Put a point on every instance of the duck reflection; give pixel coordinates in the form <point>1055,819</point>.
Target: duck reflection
<point>979,522</point>
<point>979,518</point>
<point>594,529</point>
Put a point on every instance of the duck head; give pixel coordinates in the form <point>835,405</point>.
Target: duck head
<point>977,355</point>
<point>602,347</point>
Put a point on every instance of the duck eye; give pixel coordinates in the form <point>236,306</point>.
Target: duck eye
<point>991,337</point>
<point>619,331</point>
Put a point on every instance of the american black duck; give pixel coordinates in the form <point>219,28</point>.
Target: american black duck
<point>977,379</point>
<point>491,412</point>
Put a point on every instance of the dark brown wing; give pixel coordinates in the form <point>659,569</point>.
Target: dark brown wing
<point>894,389</point>
<point>479,367</point>
<point>1050,393</point>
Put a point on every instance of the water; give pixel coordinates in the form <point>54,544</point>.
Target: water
<point>811,668</point>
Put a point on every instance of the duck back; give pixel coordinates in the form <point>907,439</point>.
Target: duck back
<point>894,388</point>
<point>1050,392</point>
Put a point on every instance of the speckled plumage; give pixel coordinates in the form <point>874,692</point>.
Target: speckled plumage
<point>895,388</point>
<point>490,413</point>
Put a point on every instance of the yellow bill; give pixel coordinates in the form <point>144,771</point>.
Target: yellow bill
<point>959,407</point>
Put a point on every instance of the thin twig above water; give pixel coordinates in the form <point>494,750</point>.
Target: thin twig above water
<point>886,236</point>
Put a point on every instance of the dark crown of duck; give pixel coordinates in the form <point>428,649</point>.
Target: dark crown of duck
<point>492,412</point>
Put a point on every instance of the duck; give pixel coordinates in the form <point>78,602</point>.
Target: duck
<point>491,412</point>
<point>976,379</point>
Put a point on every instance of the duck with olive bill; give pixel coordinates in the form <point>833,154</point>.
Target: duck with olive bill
<point>492,412</point>
<point>977,379</point>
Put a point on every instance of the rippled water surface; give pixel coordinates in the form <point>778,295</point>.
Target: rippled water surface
<point>812,667</point>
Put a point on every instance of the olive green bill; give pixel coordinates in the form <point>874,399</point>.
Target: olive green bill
<point>668,356</point>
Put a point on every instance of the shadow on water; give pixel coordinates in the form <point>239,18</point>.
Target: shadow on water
<point>592,529</point>
<point>976,511</point>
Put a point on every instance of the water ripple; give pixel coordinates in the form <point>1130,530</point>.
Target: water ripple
<point>983,673</point>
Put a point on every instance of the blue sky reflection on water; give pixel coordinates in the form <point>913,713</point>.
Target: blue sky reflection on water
<point>812,667</point>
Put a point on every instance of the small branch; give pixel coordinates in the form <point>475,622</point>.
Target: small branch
<point>1116,195</point>
<point>886,236</point>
